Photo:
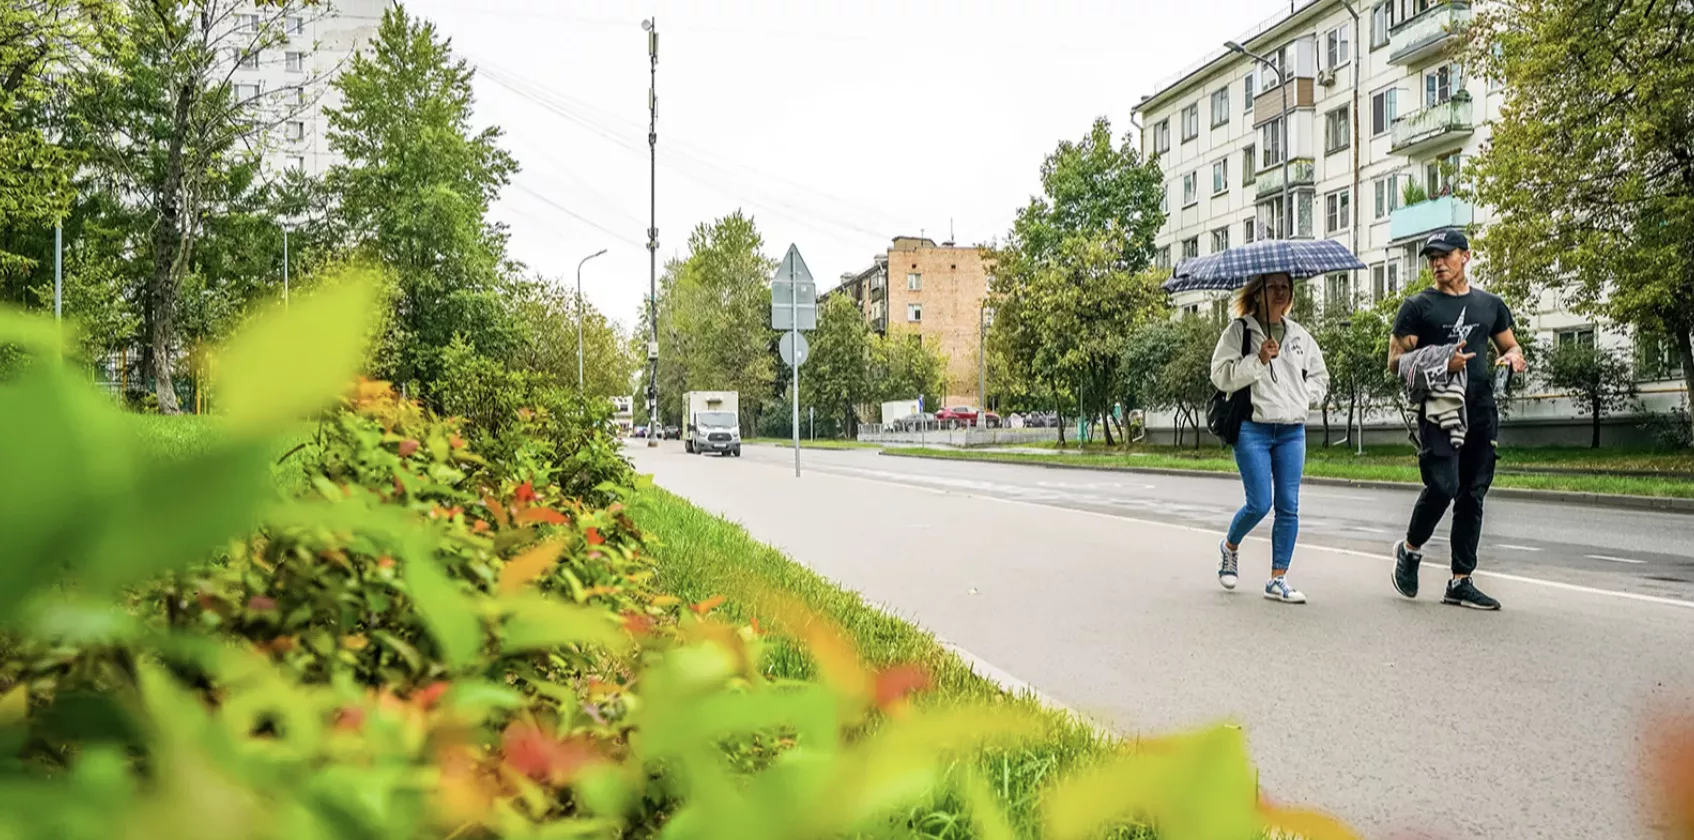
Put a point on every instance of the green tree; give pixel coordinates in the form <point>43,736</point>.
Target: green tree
<point>1167,364</point>
<point>166,134</point>
<point>1590,167</point>
<point>548,315</point>
<point>714,318</point>
<point>1597,379</point>
<point>415,192</point>
<point>1070,284</point>
<point>902,367</point>
<point>836,378</point>
<point>1354,345</point>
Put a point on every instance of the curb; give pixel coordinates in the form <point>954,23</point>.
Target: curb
<point>1662,504</point>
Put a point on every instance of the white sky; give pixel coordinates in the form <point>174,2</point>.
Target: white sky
<point>838,124</point>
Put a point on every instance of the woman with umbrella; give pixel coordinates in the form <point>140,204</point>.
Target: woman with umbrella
<point>1281,365</point>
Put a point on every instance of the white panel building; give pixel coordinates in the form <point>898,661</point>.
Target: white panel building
<point>1380,186</point>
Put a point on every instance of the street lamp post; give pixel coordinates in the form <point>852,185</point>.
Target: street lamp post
<point>580,391</point>
<point>1287,133</point>
<point>651,25</point>
<point>983,316</point>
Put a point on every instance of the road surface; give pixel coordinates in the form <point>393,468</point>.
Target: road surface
<point>1406,718</point>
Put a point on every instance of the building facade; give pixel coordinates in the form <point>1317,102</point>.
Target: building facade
<point>1362,142</point>
<point>934,293</point>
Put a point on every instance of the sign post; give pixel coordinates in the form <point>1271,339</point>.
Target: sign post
<point>794,307</point>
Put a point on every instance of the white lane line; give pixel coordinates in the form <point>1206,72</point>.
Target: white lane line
<point>1614,559</point>
<point>1515,547</point>
<point>1550,584</point>
<point>1368,530</point>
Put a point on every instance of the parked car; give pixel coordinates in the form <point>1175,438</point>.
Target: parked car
<point>913,422</point>
<point>964,415</point>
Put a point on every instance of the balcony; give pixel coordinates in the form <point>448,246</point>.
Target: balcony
<point>1301,173</point>
<point>1425,217</point>
<point>1432,127</point>
<point>1428,33</point>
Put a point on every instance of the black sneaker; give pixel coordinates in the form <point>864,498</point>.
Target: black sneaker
<point>1462,593</point>
<point>1406,563</point>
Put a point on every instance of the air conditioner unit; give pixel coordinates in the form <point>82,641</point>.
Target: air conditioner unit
<point>1326,77</point>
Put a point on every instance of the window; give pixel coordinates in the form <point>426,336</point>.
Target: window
<point>295,130</point>
<point>1381,20</point>
<point>296,163</point>
<point>1337,210</point>
<point>1249,165</point>
<point>1191,247</point>
<point>914,312</point>
<point>1337,130</point>
<point>1249,230</point>
<point>1337,47</point>
<point>1220,177</point>
<point>295,62</point>
<point>1439,175</point>
<point>1272,219</point>
<point>1303,214</point>
<point>1249,88</point>
<point>1440,83</point>
<point>1190,190</point>
<point>914,282</point>
<point>246,60</point>
<point>1382,113</point>
<point>1338,293</point>
<point>1220,240</point>
<point>1385,280</point>
<point>1165,202</point>
<point>1220,309</point>
<point>1656,358</point>
<point>1220,107</point>
<point>246,93</point>
<point>300,97</point>
<point>247,23</point>
<point>1580,335</point>
<point>1270,141</point>
<point>296,26</point>
<point>1191,122</point>
<point>1387,190</point>
<point>1162,137</point>
<point>1163,258</point>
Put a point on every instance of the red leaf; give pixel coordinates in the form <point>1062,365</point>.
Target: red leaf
<point>1672,756</point>
<point>895,683</point>
<point>385,562</point>
<point>540,514</point>
<point>259,603</point>
<point>708,605</point>
<point>430,695</point>
<point>407,447</point>
<point>525,493</point>
<point>350,718</point>
<point>456,442</point>
<point>594,538</point>
<point>637,624</point>
<point>478,526</point>
<point>544,758</point>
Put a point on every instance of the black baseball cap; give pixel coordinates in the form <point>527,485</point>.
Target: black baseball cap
<point>1444,242</point>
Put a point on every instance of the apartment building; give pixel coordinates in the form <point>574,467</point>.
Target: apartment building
<point>934,293</point>
<point>289,80</point>
<point>1251,151</point>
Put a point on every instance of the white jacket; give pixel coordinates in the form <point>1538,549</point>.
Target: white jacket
<point>1301,376</point>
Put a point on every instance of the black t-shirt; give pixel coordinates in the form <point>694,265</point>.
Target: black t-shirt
<point>1475,316</point>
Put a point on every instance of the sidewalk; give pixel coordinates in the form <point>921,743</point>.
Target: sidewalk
<point>1466,724</point>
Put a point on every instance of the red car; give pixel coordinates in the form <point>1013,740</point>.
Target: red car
<point>964,415</point>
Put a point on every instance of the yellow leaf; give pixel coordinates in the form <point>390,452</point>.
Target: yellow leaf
<point>295,360</point>
<point>990,820</point>
<point>14,706</point>
<point>1308,825</point>
<point>666,600</point>
<point>521,570</point>
<point>1193,786</point>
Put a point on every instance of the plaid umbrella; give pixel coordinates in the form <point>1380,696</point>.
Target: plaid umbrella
<point>1298,258</point>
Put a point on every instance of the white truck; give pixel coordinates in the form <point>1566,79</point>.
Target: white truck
<point>713,422</point>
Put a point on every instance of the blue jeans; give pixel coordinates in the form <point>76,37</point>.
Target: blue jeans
<point>1271,457</point>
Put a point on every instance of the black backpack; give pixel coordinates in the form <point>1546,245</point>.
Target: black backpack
<point>1226,412</point>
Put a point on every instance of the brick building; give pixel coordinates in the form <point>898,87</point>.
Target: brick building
<point>934,292</point>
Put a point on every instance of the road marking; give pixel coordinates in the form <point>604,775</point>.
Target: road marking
<point>1515,547</point>
<point>1368,530</point>
<point>1550,584</point>
<point>1614,559</point>
<point>1342,496</point>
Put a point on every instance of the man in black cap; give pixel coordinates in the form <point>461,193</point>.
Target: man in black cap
<point>1454,312</point>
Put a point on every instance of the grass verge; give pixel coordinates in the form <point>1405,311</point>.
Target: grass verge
<point>1331,464</point>
<point>169,437</point>
<point>815,444</point>
<point>701,555</point>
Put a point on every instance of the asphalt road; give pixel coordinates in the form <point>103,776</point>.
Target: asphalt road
<point>1406,718</point>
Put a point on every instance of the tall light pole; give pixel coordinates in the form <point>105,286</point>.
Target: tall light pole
<point>1285,142</point>
<point>651,25</point>
<point>58,271</point>
<point>983,317</point>
<point>580,391</point>
<point>285,266</point>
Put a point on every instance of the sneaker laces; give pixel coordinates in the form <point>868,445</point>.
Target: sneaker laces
<point>1231,563</point>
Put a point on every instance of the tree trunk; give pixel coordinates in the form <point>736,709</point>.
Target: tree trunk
<point>1595,415</point>
<point>1324,408</point>
<point>1685,352</point>
<point>1106,424</point>
<point>168,256</point>
<point>1059,418</point>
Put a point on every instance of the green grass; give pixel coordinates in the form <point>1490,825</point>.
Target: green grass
<point>1397,464</point>
<point>170,437</point>
<point>701,555</point>
<point>815,444</point>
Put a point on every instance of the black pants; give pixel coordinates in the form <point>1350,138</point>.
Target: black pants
<point>1459,477</point>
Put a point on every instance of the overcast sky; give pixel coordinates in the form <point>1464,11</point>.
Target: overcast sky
<point>838,124</point>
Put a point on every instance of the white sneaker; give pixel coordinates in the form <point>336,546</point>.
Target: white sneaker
<point>1279,590</point>
<point>1228,565</point>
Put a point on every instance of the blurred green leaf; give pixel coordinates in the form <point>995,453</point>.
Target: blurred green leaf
<point>1197,786</point>
<point>445,609</point>
<point>34,333</point>
<point>296,359</point>
<point>478,698</point>
<point>537,622</point>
